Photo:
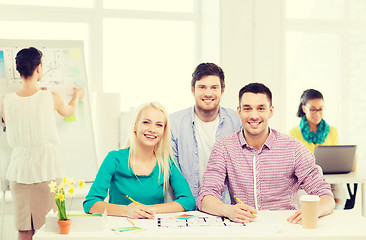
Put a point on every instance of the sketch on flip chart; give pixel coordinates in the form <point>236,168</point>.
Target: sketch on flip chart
<point>58,64</point>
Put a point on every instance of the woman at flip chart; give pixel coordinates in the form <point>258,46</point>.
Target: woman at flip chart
<point>31,130</point>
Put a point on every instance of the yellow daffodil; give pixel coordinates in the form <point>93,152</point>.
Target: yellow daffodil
<point>60,196</point>
<point>70,182</point>
<point>60,187</point>
<point>71,191</point>
<point>81,184</point>
<point>67,185</point>
<point>53,186</point>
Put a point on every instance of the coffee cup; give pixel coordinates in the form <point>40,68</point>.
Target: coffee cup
<point>309,210</point>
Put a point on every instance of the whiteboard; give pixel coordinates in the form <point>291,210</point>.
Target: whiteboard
<point>63,69</point>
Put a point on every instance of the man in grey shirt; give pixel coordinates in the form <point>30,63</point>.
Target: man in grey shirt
<point>195,129</point>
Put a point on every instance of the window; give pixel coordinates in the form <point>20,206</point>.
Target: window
<point>150,60</point>
<point>63,3</point>
<point>315,9</point>
<point>151,57</point>
<point>145,50</point>
<point>325,50</point>
<point>148,5</point>
<point>313,60</point>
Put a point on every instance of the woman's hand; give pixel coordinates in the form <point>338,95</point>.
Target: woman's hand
<point>79,92</point>
<point>139,211</point>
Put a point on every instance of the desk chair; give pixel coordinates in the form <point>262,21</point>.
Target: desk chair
<point>350,203</point>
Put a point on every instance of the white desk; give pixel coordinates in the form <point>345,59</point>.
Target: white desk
<point>358,176</point>
<point>340,224</point>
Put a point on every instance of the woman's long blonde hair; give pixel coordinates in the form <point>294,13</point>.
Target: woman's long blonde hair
<point>163,150</point>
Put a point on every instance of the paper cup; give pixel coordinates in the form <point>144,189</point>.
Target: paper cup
<point>309,209</point>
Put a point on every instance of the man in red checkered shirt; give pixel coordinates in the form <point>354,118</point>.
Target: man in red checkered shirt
<point>263,168</point>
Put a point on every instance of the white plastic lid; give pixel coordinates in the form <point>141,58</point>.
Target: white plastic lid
<point>312,198</point>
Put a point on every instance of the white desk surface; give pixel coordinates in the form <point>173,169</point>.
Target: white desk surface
<point>340,224</point>
<point>359,176</point>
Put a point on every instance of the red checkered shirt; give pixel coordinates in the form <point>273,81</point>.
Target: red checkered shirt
<point>265,179</point>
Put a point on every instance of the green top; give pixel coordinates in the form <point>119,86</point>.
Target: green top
<point>116,175</point>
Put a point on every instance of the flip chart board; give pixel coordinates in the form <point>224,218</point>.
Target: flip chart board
<point>63,68</point>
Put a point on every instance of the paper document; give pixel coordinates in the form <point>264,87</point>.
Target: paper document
<point>200,223</point>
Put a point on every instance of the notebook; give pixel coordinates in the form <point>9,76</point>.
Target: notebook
<point>335,159</point>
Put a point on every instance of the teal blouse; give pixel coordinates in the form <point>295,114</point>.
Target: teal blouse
<point>116,175</point>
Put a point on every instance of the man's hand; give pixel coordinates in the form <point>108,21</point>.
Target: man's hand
<point>241,213</point>
<point>296,217</point>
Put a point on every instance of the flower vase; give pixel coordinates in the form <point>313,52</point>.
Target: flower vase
<point>64,226</point>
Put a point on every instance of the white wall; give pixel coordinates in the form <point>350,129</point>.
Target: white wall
<point>106,115</point>
<point>247,55</point>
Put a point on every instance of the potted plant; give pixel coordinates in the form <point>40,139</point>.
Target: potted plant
<point>66,186</point>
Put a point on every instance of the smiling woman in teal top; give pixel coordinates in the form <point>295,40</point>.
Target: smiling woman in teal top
<point>143,171</point>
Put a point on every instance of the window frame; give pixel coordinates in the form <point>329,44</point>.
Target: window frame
<point>94,18</point>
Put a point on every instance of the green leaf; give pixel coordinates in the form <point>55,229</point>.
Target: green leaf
<point>61,209</point>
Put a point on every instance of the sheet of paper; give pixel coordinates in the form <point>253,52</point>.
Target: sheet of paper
<point>201,223</point>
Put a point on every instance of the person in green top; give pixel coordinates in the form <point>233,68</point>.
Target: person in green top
<point>143,171</point>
